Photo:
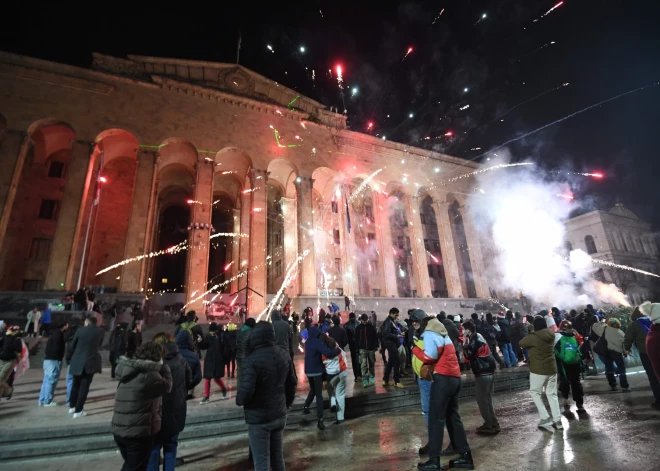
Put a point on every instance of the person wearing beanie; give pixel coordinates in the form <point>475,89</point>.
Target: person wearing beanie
<point>241,344</point>
<point>543,372</point>
<point>424,373</point>
<point>214,365</point>
<point>653,338</point>
<point>194,329</point>
<point>350,328</point>
<point>504,341</point>
<point>337,332</point>
<point>636,333</point>
<point>367,344</point>
<point>615,352</point>
<point>283,336</point>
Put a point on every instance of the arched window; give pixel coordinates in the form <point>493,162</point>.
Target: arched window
<point>591,245</point>
<point>568,246</point>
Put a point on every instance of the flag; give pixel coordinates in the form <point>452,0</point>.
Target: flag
<point>348,216</point>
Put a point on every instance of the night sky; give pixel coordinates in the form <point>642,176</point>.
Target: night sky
<point>601,48</point>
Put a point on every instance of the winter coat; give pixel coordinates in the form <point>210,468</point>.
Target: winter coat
<point>488,332</point>
<point>241,343</point>
<point>350,327</point>
<point>389,333</point>
<point>314,348</point>
<point>479,355</point>
<point>174,401</point>
<point>283,336</point>
<point>55,346</point>
<point>518,328</point>
<point>653,347</point>
<point>505,331</point>
<point>85,351</point>
<point>214,365</point>
<point>133,342</point>
<point>541,352</point>
<point>118,340</point>
<point>11,348</point>
<point>438,351</point>
<point>614,337</point>
<point>68,338</point>
<point>366,337</point>
<point>268,381</point>
<point>452,330</point>
<point>184,345</point>
<point>138,400</point>
<point>338,333</point>
<point>637,330</point>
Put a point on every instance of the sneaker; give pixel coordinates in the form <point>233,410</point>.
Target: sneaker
<point>305,410</point>
<point>320,424</point>
<point>50,404</point>
<point>205,401</point>
<point>613,388</point>
<point>464,462</point>
<point>547,426</point>
<point>399,385</point>
<point>365,383</point>
<point>224,393</point>
<point>72,410</point>
<point>80,414</point>
<point>626,390</point>
<point>372,381</point>
<point>567,403</point>
<point>487,430</point>
<point>386,383</point>
<point>558,425</point>
<point>424,450</point>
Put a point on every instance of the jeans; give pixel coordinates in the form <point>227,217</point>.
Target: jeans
<point>510,358</point>
<point>425,396</point>
<point>615,358</point>
<point>111,324</point>
<point>337,391</point>
<point>569,380</point>
<point>368,363</point>
<point>484,387</point>
<point>355,362</point>
<point>402,357</point>
<point>51,377</point>
<point>653,379</point>
<point>536,384</point>
<point>80,390</point>
<point>135,452</point>
<point>315,390</point>
<point>69,385</point>
<point>393,364</point>
<point>168,444</point>
<point>443,410</point>
<point>266,444</point>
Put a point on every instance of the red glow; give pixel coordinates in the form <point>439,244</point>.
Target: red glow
<point>558,5</point>
<point>190,201</point>
<point>233,301</point>
<point>567,197</point>
<point>449,134</point>
<point>103,179</point>
<point>339,70</point>
<point>370,125</point>
<point>410,49</point>
<point>598,175</point>
<point>228,265</point>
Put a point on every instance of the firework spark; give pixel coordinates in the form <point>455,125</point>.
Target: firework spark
<point>172,250</point>
<point>410,49</point>
<point>363,185</point>
<point>438,17</point>
<point>623,267</point>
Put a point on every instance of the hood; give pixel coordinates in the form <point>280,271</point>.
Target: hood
<point>636,314</point>
<point>503,320</point>
<point>546,335</point>
<point>567,333</point>
<point>133,368</point>
<point>275,315</point>
<point>263,335</point>
<point>434,325</point>
<point>518,316</point>
<point>184,340</point>
<point>171,350</point>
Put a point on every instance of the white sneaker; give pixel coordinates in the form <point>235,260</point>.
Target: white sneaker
<point>547,426</point>
<point>77,415</point>
<point>72,410</point>
<point>51,404</point>
<point>558,425</point>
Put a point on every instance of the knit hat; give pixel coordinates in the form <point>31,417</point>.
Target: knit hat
<point>500,315</point>
<point>364,317</point>
<point>539,323</point>
<point>652,310</point>
<point>543,313</point>
<point>213,327</point>
<point>417,315</point>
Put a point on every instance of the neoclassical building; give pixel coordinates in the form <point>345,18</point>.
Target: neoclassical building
<point>620,237</point>
<point>251,180</point>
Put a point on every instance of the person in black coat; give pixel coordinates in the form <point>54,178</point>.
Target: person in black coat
<point>230,337</point>
<point>68,339</point>
<point>367,343</point>
<point>85,363</point>
<point>214,366</point>
<point>241,343</point>
<point>338,333</point>
<point>174,404</point>
<point>283,336</point>
<point>350,328</point>
<point>391,336</point>
<point>506,332</point>
<point>185,345</point>
<point>133,339</point>
<point>266,390</point>
<point>53,356</point>
<point>118,341</point>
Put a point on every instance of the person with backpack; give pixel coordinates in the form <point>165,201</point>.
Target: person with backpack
<point>609,348</point>
<point>569,365</point>
<point>117,346</point>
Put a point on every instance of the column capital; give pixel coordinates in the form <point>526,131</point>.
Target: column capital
<point>303,179</point>
<point>145,154</point>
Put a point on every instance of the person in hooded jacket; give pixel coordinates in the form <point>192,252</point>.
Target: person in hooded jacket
<point>391,335</point>
<point>636,333</point>
<point>615,352</point>
<point>314,350</point>
<point>118,340</point>
<point>266,390</point>
<point>483,366</point>
<point>490,334</point>
<point>137,416</point>
<point>350,328</point>
<point>185,345</point>
<point>283,337</point>
<point>518,332</point>
<point>230,349</point>
<point>367,344</point>
<point>214,366</point>
<point>174,408</point>
<point>424,373</point>
<point>510,358</point>
<point>337,332</point>
<point>324,322</point>
<point>543,372</point>
<point>241,343</point>
<point>569,373</point>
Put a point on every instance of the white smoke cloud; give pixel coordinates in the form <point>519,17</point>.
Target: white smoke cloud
<point>521,210</point>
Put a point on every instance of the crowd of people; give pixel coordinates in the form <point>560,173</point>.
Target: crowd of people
<point>157,378</point>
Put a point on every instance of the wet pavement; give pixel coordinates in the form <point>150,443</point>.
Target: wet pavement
<point>620,432</point>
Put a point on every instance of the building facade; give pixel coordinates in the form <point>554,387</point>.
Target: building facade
<point>228,177</point>
<point>618,236</point>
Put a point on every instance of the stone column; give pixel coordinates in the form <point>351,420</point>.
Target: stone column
<point>258,243</point>
<point>306,233</point>
<point>151,234</point>
<point>348,250</point>
<point>289,211</point>
<point>244,242</point>
<point>14,147</point>
<point>235,248</point>
<point>384,236</point>
<point>197,269</point>
<point>72,220</point>
<point>476,257</point>
<point>420,261</point>
<point>136,237</point>
<point>449,260</point>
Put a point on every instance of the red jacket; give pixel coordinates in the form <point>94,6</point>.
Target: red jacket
<point>446,362</point>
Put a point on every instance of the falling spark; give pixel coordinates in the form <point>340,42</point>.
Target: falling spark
<point>623,267</point>
<point>438,17</point>
<point>228,265</point>
<point>566,197</point>
<point>476,172</point>
<point>464,107</point>
<point>449,134</point>
<point>270,48</point>
<point>291,272</point>
<point>553,8</point>
<point>410,49</point>
<point>321,13</point>
<point>171,250</point>
<point>228,234</point>
<point>363,185</point>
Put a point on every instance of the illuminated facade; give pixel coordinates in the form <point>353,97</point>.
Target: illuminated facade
<point>187,148</point>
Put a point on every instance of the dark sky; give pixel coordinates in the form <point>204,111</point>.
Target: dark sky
<point>602,49</point>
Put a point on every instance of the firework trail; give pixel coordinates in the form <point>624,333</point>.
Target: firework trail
<point>340,82</point>
<point>172,250</point>
<point>287,279</point>
<point>410,49</point>
<point>363,185</point>
<point>623,267</point>
<point>565,118</point>
<point>566,84</point>
<point>438,17</point>
<point>228,234</point>
<point>483,170</point>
